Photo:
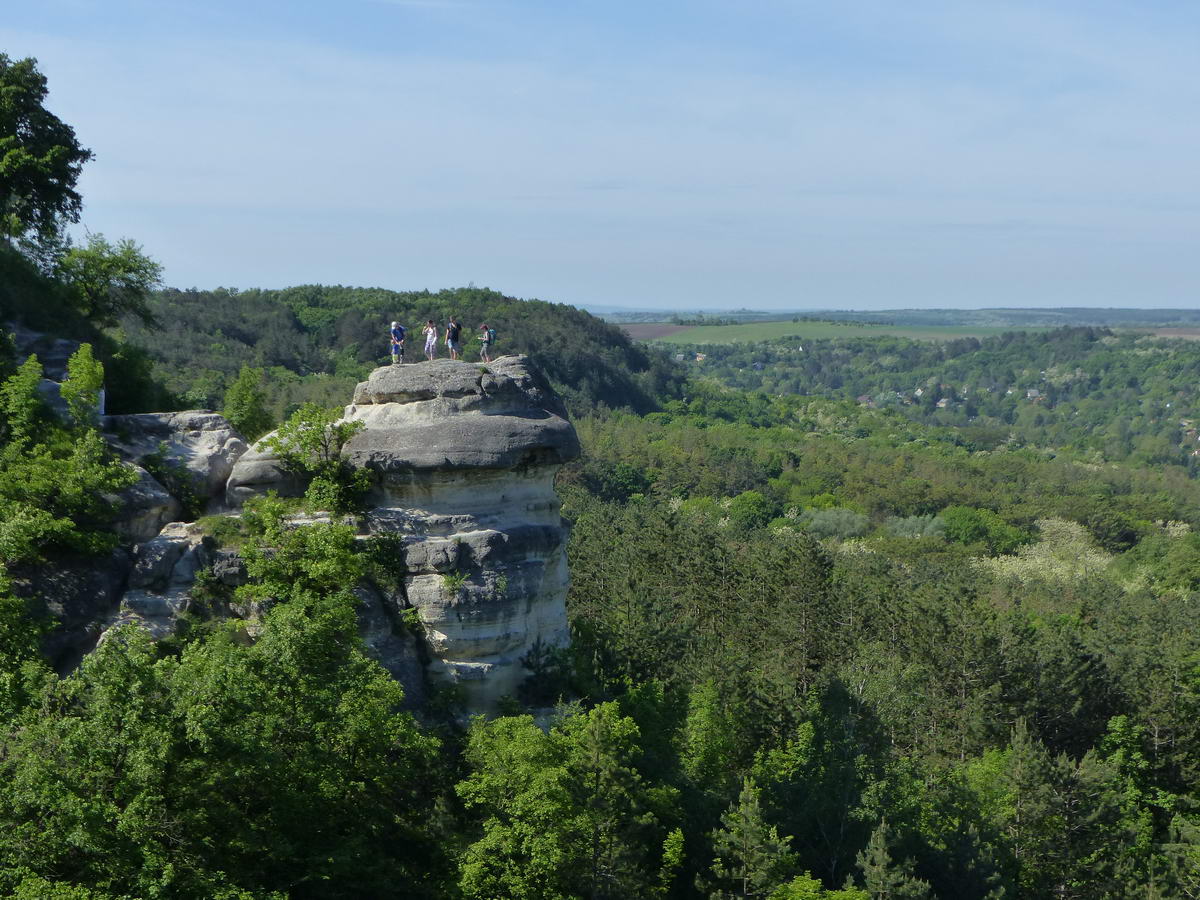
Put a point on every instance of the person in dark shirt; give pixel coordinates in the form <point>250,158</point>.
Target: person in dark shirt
<point>454,338</point>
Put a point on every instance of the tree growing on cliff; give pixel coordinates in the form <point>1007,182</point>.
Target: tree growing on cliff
<point>54,480</point>
<point>309,445</point>
<point>81,390</point>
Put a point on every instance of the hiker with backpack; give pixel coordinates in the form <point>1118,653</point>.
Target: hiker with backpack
<point>487,337</point>
<point>454,337</point>
<point>397,336</point>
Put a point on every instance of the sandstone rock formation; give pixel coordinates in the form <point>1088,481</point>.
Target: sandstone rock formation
<point>158,590</point>
<point>79,595</point>
<point>463,458</point>
<point>200,444</point>
<point>143,508</point>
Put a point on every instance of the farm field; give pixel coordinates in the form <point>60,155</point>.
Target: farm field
<point>765,331</point>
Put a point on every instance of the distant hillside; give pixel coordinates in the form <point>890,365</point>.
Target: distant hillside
<point>1108,395</point>
<point>996,318</point>
<point>340,333</point>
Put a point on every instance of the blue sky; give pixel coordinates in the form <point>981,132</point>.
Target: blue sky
<point>762,153</point>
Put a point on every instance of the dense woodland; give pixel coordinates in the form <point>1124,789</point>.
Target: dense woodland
<point>822,647</point>
<point>1101,395</point>
<point>314,343</point>
<point>819,649</point>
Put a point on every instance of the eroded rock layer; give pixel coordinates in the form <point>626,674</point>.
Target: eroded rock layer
<point>463,459</point>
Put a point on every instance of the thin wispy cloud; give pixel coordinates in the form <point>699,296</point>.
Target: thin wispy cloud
<point>873,156</point>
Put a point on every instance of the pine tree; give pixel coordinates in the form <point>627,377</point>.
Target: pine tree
<point>751,858</point>
<point>885,878</point>
<point>246,403</point>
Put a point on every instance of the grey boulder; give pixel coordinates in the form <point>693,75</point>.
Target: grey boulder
<point>201,444</point>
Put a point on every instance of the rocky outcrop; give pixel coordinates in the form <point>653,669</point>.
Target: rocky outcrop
<point>463,458</point>
<point>191,453</point>
<point>52,352</point>
<point>160,584</point>
<point>200,445</point>
<point>392,643</point>
<point>143,508</point>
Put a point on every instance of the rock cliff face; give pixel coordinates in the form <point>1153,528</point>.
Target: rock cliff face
<point>463,459</point>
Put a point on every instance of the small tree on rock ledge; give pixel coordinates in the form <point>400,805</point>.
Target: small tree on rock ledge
<point>309,445</point>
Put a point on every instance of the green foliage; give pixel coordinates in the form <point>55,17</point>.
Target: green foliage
<point>110,280</point>
<point>550,676</point>
<point>176,478</point>
<point>1091,393</point>
<point>309,445</point>
<point>835,523</point>
<point>981,526</point>
<point>246,404</point>
<point>25,415</point>
<point>288,749</point>
<point>750,509</point>
<point>305,565</point>
<point>452,582</point>
<point>340,333</point>
<point>916,526</point>
<point>53,479</point>
<point>885,879</point>
<point>564,813</point>
<point>21,665</point>
<point>81,390</point>
<point>40,159</point>
<point>752,860</point>
<point>805,887</point>
<point>224,531</point>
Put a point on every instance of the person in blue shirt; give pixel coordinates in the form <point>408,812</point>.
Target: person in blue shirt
<point>397,343</point>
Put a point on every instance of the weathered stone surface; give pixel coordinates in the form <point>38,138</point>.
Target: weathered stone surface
<point>455,415</point>
<point>464,462</point>
<point>159,587</point>
<point>51,394</point>
<point>463,459</point>
<point>155,559</point>
<point>51,352</point>
<point>256,472</point>
<point>229,569</point>
<point>143,508</point>
<point>203,444</point>
<point>392,645</point>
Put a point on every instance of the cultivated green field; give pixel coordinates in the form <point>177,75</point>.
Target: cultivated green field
<point>764,331</point>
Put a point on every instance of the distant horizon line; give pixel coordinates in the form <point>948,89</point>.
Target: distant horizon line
<point>711,310</point>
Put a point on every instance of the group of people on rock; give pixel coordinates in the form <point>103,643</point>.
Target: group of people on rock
<point>453,338</point>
